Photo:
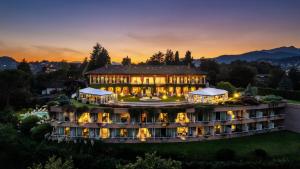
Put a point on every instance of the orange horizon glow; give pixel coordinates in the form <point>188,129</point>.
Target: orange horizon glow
<point>32,56</point>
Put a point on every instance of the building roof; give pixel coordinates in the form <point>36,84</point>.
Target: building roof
<point>94,91</point>
<point>147,69</point>
<point>209,92</point>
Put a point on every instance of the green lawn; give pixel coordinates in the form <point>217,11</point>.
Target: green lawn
<point>128,98</point>
<point>76,103</point>
<point>293,101</point>
<point>276,144</point>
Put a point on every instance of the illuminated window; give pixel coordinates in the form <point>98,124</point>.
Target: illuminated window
<point>217,129</point>
<point>163,117</point>
<point>67,131</point>
<point>231,114</point>
<point>105,118</point>
<point>111,89</point>
<point>84,118</point>
<point>144,117</point>
<point>143,134</point>
<point>233,127</point>
<point>125,117</point>
<point>182,131</point>
<point>118,90</point>
<point>85,132</point>
<point>123,133</point>
<point>182,118</point>
<point>104,133</point>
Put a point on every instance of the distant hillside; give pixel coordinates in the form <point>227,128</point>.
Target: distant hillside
<point>276,53</point>
<point>7,62</point>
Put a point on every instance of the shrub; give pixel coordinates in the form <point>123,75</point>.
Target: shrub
<point>260,154</point>
<point>226,86</point>
<point>225,154</point>
<point>152,161</point>
<point>271,98</point>
<point>38,132</point>
<point>28,123</point>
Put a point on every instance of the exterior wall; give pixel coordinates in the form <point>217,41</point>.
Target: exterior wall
<point>292,120</point>
<point>146,84</point>
<point>187,124</point>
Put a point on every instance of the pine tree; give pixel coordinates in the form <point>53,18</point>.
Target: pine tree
<point>126,61</point>
<point>177,59</point>
<point>99,57</point>
<point>188,58</point>
<point>169,57</point>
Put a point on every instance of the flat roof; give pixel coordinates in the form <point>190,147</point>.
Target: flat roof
<point>148,70</point>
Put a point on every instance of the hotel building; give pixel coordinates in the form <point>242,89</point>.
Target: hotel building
<point>147,80</point>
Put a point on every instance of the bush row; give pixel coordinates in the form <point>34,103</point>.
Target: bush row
<point>287,94</point>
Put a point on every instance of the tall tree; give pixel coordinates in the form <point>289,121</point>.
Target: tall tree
<point>24,66</point>
<point>126,61</point>
<point>99,57</point>
<point>212,68</point>
<point>188,58</point>
<point>14,88</point>
<point>294,75</point>
<point>156,59</point>
<point>285,83</point>
<point>241,76</point>
<point>169,57</point>
<point>176,59</point>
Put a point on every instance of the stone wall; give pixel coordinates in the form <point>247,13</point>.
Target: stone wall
<point>292,118</point>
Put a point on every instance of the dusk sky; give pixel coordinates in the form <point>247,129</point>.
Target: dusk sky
<point>61,29</point>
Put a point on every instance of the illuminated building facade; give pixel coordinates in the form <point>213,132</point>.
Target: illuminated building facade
<point>185,122</point>
<point>147,80</point>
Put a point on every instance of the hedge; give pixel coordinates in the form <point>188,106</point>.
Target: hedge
<point>287,94</point>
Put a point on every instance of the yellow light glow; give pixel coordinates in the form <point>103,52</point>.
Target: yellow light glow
<point>163,117</point>
<point>164,97</point>
<point>236,95</point>
<point>84,118</point>
<point>67,131</point>
<point>104,133</point>
<point>182,118</point>
<point>122,94</point>
<point>143,134</point>
<point>230,113</point>
<point>182,132</point>
<point>85,132</point>
<point>233,127</point>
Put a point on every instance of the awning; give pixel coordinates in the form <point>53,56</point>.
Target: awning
<point>209,92</point>
<point>94,91</point>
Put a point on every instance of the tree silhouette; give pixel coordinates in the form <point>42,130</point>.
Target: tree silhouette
<point>24,66</point>
<point>99,57</point>
<point>156,59</point>
<point>126,61</point>
<point>188,58</point>
<point>176,59</point>
<point>169,57</point>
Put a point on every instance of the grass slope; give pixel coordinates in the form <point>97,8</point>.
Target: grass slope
<point>276,144</point>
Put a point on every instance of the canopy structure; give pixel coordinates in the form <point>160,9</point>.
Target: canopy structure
<point>208,95</point>
<point>96,96</point>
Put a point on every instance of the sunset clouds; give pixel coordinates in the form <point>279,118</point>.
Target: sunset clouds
<point>56,30</point>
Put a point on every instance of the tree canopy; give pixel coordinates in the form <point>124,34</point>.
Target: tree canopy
<point>152,161</point>
<point>99,57</point>
<point>126,61</point>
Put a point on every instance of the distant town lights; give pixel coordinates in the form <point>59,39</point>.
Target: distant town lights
<point>236,95</point>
